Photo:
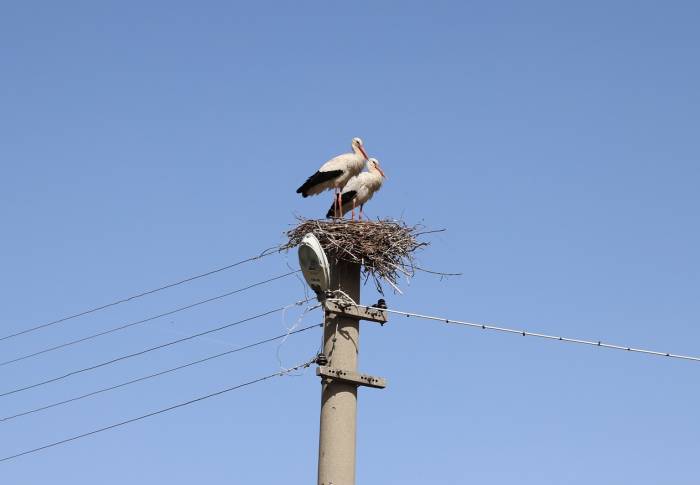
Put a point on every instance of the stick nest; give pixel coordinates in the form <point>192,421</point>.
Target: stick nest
<point>384,248</point>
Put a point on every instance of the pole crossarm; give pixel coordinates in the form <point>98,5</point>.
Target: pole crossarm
<point>347,309</point>
<point>351,377</point>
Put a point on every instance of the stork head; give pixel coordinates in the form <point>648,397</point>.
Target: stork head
<point>373,166</point>
<point>358,147</point>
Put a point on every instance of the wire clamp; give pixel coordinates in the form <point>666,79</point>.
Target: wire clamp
<point>321,359</point>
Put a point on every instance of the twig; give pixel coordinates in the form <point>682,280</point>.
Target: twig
<point>439,273</point>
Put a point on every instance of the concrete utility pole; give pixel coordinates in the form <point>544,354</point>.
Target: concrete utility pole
<point>339,379</point>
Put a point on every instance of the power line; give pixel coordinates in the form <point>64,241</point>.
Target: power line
<point>159,411</point>
<point>157,374</point>
<point>145,320</point>
<point>150,349</point>
<point>265,253</point>
<point>524,333</point>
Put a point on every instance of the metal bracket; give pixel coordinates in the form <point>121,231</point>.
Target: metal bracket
<point>351,377</point>
<point>361,313</point>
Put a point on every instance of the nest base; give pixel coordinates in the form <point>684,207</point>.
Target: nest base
<point>384,248</point>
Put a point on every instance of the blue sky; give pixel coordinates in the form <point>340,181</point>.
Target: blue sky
<point>557,143</point>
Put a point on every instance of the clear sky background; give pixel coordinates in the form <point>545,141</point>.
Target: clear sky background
<point>143,142</point>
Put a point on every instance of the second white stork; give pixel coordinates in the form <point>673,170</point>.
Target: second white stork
<point>336,172</point>
<point>360,189</point>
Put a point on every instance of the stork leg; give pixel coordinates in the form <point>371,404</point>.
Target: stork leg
<point>335,202</point>
<point>340,206</point>
<point>353,210</point>
<point>361,213</point>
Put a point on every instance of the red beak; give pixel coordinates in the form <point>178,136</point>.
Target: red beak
<point>363,152</point>
<point>382,172</point>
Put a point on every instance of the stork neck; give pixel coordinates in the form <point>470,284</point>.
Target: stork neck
<point>376,176</point>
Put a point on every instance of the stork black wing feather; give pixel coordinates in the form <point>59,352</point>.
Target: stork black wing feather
<point>317,178</point>
<point>344,199</point>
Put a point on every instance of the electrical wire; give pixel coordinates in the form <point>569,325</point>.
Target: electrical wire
<point>265,253</point>
<point>159,411</point>
<point>150,349</point>
<point>160,373</point>
<point>524,333</point>
<point>145,320</point>
<point>291,330</point>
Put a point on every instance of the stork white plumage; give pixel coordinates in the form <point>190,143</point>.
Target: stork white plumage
<point>336,172</point>
<point>360,189</point>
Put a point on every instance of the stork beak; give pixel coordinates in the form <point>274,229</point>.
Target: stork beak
<point>363,152</point>
<point>382,172</point>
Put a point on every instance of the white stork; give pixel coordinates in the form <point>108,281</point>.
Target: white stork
<point>336,172</point>
<point>360,189</point>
